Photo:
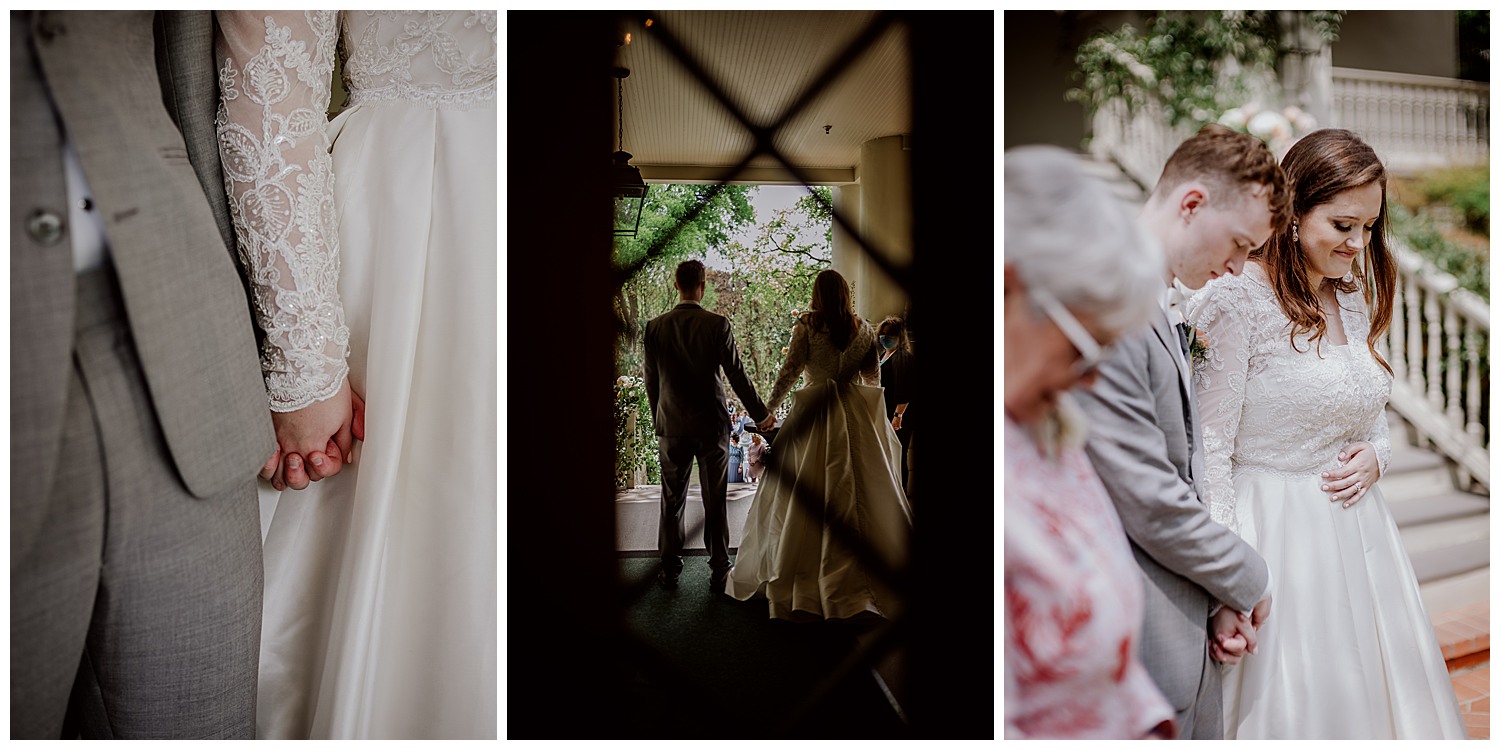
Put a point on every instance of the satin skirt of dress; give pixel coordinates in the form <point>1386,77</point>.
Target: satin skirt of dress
<point>1348,651</point>
<point>845,456</point>
<point>380,594</point>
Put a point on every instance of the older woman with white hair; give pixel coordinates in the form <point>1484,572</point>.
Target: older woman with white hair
<point>1079,272</point>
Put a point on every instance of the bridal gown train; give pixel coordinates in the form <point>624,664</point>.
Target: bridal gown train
<point>1348,651</point>
<point>837,443</point>
<point>380,609</point>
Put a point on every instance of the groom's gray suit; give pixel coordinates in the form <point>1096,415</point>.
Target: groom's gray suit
<point>138,414</point>
<point>1144,442</point>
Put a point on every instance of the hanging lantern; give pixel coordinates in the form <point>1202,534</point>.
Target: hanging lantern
<point>629,188</point>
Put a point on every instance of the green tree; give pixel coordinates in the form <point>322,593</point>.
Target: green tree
<point>1196,64</point>
<point>667,207</point>
<point>646,262</point>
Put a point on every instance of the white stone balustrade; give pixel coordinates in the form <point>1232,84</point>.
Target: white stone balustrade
<point>1437,340</point>
<point>1414,122</point>
<point>1138,140</point>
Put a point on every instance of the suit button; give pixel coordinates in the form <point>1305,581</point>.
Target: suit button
<point>45,227</point>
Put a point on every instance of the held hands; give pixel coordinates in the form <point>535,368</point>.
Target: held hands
<point>1231,636</point>
<point>767,423</point>
<point>323,432</point>
<point>1359,470</point>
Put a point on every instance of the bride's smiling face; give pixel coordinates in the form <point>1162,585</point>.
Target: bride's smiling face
<point>1333,234</point>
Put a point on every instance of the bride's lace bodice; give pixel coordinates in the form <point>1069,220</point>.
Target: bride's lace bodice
<point>815,352</point>
<point>275,80</point>
<point>1265,406</point>
<point>436,58</point>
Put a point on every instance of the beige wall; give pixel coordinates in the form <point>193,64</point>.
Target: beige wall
<point>1040,46</point>
<point>1424,42</point>
<point>880,206</point>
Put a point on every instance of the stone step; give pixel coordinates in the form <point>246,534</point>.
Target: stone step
<point>1456,592</point>
<point>1407,458</point>
<point>1433,508</point>
<point>1450,560</point>
<point>1416,483</point>
<point>1437,535</point>
<point>1463,631</point>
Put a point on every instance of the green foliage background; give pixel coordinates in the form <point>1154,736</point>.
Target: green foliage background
<point>1197,64</point>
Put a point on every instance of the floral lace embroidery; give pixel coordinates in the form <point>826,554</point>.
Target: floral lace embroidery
<point>439,59</point>
<point>1267,407</point>
<point>274,90</point>
<point>814,351</point>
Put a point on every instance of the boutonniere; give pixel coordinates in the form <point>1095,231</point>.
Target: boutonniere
<point>1198,347</point>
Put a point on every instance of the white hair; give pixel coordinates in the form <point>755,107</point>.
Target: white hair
<point>1067,234</point>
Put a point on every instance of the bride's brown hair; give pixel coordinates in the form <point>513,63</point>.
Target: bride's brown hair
<point>832,308</point>
<point>1318,167</point>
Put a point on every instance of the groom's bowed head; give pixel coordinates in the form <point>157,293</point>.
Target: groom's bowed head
<point>1220,196</point>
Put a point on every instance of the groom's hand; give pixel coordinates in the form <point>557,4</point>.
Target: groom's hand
<point>767,423</point>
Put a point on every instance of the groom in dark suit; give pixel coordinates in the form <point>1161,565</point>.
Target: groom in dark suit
<point>684,350</point>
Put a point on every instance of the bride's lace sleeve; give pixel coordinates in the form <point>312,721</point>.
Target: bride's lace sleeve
<point>1380,437</point>
<point>275,73</point>
<point>796,359</point>
<point>1219,384</point>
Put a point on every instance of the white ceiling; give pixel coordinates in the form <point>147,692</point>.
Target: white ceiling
<point>676,130</point>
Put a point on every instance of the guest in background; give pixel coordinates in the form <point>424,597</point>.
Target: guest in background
<point>897,379</point>
<point>1079,271</point>
<point>736,460</point>
<point>755,455</point>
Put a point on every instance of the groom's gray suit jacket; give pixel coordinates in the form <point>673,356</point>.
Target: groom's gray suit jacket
<point>139,416</point>
<point>1143,440</point>
<point>161,195</point>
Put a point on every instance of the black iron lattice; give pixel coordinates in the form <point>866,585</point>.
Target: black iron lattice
<point>894,633</point>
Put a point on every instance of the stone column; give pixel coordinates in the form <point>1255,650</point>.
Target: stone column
<point>848,260</point>
<point>885,212</point>
<point>1306,67</point>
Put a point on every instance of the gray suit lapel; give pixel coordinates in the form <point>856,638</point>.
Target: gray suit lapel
<point>1166,335</point>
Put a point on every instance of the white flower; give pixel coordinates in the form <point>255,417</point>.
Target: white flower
<point>1269,126</point>
<point>1302,121</point>
<point>1234,118</point>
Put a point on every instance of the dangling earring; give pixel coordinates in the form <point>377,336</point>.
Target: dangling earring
<point>1294,233</point>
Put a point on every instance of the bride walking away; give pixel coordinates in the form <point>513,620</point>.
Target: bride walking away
<point>832,504</point>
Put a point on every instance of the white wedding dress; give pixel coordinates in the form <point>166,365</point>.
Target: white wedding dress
<point>377,260</point>
<point>846,456</point>
<point>1348,651</point>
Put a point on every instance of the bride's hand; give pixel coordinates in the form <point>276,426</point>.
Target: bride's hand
<point>1350,481</point>
<point>321,431</point>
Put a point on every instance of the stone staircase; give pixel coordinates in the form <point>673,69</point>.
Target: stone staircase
<point>1446,532</point>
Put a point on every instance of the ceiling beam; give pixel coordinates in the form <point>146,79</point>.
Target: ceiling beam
<point>693,174</point>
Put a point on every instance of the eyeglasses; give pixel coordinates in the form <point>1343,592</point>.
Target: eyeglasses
<point>1088,347</point>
